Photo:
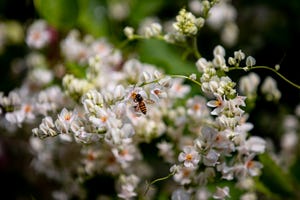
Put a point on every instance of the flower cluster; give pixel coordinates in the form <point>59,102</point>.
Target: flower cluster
<point>122,108</point>
<point>187,24</point>
<point>221,16</point>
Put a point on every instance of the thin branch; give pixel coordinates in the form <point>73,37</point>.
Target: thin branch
<point>271,69</point>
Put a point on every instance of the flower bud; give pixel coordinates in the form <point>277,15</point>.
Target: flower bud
<point>239,55</point>
<point>129,32</point>
<point>219,50</point>
<point>250,61</point>
<point>231,61</point>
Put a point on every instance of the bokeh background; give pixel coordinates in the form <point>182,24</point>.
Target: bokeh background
<point>269,30</point>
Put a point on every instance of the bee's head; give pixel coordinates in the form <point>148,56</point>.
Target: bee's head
<point>133,95</point>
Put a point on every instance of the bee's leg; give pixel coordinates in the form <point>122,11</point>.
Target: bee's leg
<point>136,108</point>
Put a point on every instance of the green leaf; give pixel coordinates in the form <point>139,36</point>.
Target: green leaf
<point>142,9</point>
<point>164,56</point>
<point>167,57</point>
<point>260,187</point>
<point>62,14</point>
<point>93,17</point>
<point>275,179</point>
<point>75,69</point>
<point>295,168</point>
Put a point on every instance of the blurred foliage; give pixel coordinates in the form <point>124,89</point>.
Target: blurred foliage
<point>279,183</point>
<point>56,14</point>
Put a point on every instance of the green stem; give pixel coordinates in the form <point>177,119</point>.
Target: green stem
<point>271,69</point>
<point>147,83</point>
<point>123,44</point>
<point>173,76</point>
<point>156,180</point>
<point>195,48</point>
<point>127,41</point>
<point>186,77</point>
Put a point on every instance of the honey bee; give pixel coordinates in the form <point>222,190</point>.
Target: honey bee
<point>141,102</point>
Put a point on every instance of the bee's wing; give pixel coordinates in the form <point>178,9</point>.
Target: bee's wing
<point>149,101</point>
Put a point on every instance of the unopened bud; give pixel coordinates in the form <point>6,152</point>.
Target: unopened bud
<point>250,61</point>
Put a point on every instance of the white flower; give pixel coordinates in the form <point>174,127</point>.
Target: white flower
<point>255,144</point>
<point>231,61</point>
<point>219,61</point>
<point>91,100</point>
<point>40,76</point>
<point>165,150</point>
<point>65,119</point>
<point>13,99</point>
<point>125,154</point>
<point>249,167</point>
<point>229,34</point>
<point>247,183</point>
<point>202,64</point>
<point>28,110</point>
<point>183,175</point>
<point>46,128</point>
<point>132,69</point>
<point>249,196</point>
<point>248,84</point>
<point>186,23</point>
<point>82,136</point>
<point>119,92</point>
<point>211,158</point>
<point>104,118</point>
<point>178,90</point>
<point>197,107</point>
<point>228,122</point>
<point>220,14</point>
<point>290,122</point>
<point>269,88</point>
<point>128,185</point>
<point>37,35</point>
<point>119,10</point>
<point>75,50</point>
<point>127,192</point>
<point>153,30</point>
<point>157,93</point>
<point>190,157</point>
<point>120,136</point>
<point>36,144</point>
<point>239,55</point>
<point>193,76</point>
<point>226,86</point>
<point>16,117</point>
<point>227,171</point>
<point>250,61</point>
<point>180,194</point>
<point>219,50</point>
<point>195,6</point>
<point>75,87</point>
<point>297,110</point>
<point>289,141</point>
<point>202,194</point>
<point>101,48</point>
<point>221,193</point>
<point>218,104</point>
<point>253,167</point>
